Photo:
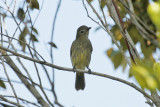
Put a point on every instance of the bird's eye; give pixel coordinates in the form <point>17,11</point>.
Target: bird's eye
<point>82,31</point>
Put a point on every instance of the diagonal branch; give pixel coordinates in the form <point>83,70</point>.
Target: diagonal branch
<point>29,86</point>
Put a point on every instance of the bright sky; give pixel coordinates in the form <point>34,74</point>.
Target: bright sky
<point>99,91</point>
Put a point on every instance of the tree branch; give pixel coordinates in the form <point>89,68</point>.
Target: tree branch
<point>29,86</point>
<point>11,102</point>
<point>82,71</point>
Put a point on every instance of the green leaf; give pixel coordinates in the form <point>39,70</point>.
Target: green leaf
<point>102,3</point>
<point>156,68</point>
<point>147,50</point>
<point>90,0</point>
<point>35,30</point>
<point>144,77</point>
<point>33,38</point>
<point>21,14</point>
<point>22,38</point>
<point>52,44</point>
<point>124,64</point>
<point>131,72</point>
<point>2,84</point>
<point>116,57</point>
<point>153,10</point>
<point>34,4</point>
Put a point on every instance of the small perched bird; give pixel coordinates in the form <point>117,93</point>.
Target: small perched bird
<point>80,54</point>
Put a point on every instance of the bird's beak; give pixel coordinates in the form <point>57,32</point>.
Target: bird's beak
<point>89,28</point>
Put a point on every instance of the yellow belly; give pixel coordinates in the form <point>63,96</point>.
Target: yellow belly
<point>80,60</point>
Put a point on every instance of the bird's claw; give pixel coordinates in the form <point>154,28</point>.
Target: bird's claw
<point>74,69</point>
<point>89,70</point>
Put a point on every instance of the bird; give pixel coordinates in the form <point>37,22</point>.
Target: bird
<point>80,54</point>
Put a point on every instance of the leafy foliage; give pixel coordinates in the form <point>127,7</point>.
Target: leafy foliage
<point>31,31</point>
<point>22,37</point>
<point>117,58</point>
<point>140,9</point>
<point>147,74</point>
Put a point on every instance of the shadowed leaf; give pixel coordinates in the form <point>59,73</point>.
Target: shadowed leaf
<point>33,38</point>
<point>102,3</point>
<point>2,84</point>
<point>22,38</point>
<point>21,14</point>
<point>116,57</point>
<point>33,4</point>
<point>90,0</point>
<point>52,44</point>
<point>34,30</point>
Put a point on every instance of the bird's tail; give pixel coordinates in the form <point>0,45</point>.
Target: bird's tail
<point>80,81</point>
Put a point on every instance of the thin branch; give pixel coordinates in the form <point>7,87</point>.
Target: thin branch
<point>90,16</point>
<point>104,17</point>
<point>5,71</point>
<point>25,69</point>
<point>18,82</point>
<point>116,16</point>
<point>38,13</point>
<point>51,40</point>
<point>24,44</point>
<point>51,53</point>
<point>140,25</point>
<point>107,30</point>
<point>24,100</point>
<point>82,71</point>
<point>11,102</point>
<point>14,6</point>
<point>29,86</point>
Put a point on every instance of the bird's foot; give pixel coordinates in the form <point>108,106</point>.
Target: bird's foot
<point>89,70</point>
<point>74,69</point>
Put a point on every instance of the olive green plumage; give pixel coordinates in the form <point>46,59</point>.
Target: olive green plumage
<point>81,51</point>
